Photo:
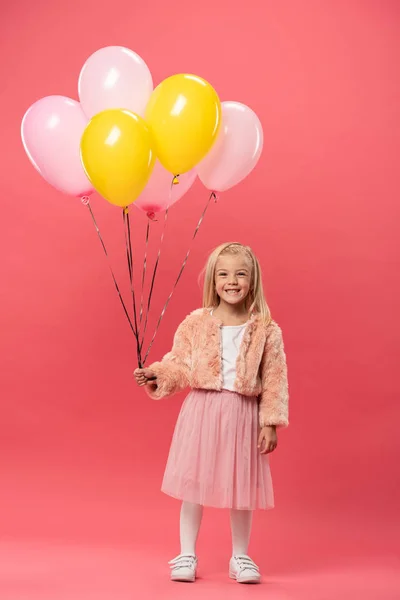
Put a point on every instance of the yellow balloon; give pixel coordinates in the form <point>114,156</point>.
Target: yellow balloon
<point>184,115</point>
<point>117,154</point>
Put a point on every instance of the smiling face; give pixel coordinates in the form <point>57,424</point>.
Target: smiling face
<point>233,278</point>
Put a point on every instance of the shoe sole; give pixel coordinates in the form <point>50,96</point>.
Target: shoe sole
<point>244,580</point>
<point>184,580</point>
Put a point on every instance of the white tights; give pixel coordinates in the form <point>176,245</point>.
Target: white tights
<point>190,521</point>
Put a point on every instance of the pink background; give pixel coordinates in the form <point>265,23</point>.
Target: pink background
<point>82,450</point>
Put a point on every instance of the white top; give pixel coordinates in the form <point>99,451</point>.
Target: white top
<point>232,336</point>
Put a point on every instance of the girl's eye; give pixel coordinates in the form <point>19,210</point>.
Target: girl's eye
<point>242,274</point>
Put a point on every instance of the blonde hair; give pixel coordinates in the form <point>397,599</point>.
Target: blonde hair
<point>255,301</point>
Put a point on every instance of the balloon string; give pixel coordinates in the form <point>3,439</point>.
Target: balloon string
<point>144,272</point>
<point>214,197</point>
<point>153,279</point>
<point>129,255</point>
<point>86,202</point>
<point>156,267</point>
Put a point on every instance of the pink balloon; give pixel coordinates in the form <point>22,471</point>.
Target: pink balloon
<point>51,133</point>
<point>114,77</point>
<point>158,194</point>
<point>236,151</point>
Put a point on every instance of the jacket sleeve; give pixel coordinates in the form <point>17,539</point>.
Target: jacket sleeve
<point>173,370</point>
<point>273,408</point>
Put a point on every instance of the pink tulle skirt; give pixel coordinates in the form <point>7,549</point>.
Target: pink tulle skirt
<point>214,459</point>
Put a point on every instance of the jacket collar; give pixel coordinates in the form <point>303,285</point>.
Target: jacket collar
<point>253,320</point>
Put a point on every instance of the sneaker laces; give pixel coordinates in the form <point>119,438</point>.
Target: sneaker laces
<point>244,563</point>
<point>183,561</point>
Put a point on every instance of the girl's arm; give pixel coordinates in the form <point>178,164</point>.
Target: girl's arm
<point>274,399</point>
<point>173,370</point>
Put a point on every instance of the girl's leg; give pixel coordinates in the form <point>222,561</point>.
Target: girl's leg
<point>241,521</point>
<point>190,521</point>
<point>241,567</point>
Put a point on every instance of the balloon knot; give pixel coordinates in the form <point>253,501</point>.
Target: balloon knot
<point>85,200</point>
<point>126,210</point>
<point>175,180</point>
<point>151,215</point>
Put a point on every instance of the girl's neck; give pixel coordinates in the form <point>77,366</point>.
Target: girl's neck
<point>231,315</point>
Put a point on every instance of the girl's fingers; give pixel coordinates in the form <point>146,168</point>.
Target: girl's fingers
<point>143,376</point>
<point>268,447</point>
<point>140,379</point>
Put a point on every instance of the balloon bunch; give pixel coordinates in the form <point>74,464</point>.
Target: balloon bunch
<point>133,144</point>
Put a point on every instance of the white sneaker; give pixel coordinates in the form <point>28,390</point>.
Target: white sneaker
<point>183,568</point>
<point>244,570</point>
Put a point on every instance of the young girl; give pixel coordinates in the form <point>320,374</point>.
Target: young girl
<point>230,353</point>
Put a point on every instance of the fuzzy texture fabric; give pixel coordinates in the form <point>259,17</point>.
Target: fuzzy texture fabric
<point>195,361</point>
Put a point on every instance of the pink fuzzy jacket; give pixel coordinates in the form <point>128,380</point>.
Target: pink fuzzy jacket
<point>195,361</point>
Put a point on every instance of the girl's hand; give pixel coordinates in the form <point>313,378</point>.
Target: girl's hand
<point>269,437</point>
<point>143,376</point>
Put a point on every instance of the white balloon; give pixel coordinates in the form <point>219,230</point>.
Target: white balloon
<point>114,77</point>
<point>236,150</point>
